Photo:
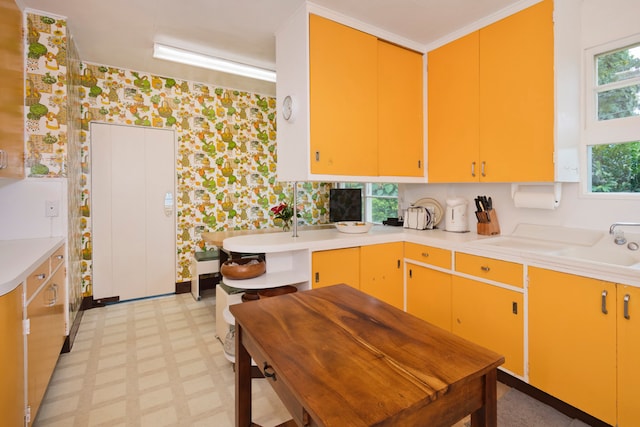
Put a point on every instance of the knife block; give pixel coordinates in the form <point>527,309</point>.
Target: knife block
<point>489,228</point>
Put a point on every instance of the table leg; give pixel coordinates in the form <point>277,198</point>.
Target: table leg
<point>487,415</point>
<point>243,382</point>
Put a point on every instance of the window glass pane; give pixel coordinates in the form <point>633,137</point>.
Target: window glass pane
<point>619,103</point>
<point>615,168</point>
<point>380,200</point>
<point>384,190</point>
<point>619,65</point>
<point>383,208</point>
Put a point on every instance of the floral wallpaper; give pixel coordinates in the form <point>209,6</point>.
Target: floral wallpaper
<point>226,160</point>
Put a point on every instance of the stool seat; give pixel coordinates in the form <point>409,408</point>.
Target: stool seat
<point>207,262</point>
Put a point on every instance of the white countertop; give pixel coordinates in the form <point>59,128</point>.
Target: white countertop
<point>326,239</point>
<point>18,258</point>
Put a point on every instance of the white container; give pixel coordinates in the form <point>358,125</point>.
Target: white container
<point>455,218</point>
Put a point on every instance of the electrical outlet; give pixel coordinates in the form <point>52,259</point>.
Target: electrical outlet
<point>52,208</point>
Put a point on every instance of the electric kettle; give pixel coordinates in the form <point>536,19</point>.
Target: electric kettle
<point>456,215</point>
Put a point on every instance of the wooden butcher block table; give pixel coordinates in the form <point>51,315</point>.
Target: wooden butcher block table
<point>338,357</point>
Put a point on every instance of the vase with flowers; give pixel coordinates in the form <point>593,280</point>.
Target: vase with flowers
<point>283,212</point>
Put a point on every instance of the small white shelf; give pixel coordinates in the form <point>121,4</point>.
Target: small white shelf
<point>269,280</point>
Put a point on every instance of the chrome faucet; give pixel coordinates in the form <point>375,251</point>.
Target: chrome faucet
<point>618,236</point>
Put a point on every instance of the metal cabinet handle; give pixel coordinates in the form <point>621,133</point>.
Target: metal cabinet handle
<point>604,302</point>
<point>4,163</point>
<point>317,277</point>
<point>60,257</point>
<point>482,168</point>
<point>41,276</point>
<point>425,254</point>
<point>269,372</point>
<point>317,156</point>
<point>410,274</point>
<point>473,168</point>
<point>53,300</point>
<point>485,268</point>
<point>398,263</point>
<point>627,297</point>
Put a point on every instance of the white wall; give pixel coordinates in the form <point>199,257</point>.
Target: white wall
<point>22,208</point>
<point>602,22</point>
<point>574,211</point>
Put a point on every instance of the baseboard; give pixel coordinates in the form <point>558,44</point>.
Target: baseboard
<point>547,399</point>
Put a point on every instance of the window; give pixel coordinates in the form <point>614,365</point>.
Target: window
<point>380,200</point>
<point>612,135</point>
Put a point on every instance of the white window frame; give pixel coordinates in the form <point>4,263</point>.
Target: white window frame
<point>367,214</point>
<point>600,132</point>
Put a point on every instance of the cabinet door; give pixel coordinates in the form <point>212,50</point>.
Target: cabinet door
<point>12,91</point>
<point>572,341</point>
<point>517,96</point>
<point>628,355</point>
<point>381,272</point>
<point>11,358</point>
<point>400,106</point>
<point>46,337</point>
<point>336,266</point>
<point>491,317</point>
<point>453,123</point>
<point>343,99</point>
<point>429,295</point>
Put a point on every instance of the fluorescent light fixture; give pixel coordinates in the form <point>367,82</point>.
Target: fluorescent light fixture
<point>183,56</point>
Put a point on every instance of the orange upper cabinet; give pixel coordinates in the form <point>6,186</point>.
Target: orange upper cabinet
<point>357,103</point>
<point>491,102</point>
<point>343,82</point>
<point>11,92</point>
<point>400,111</point>
<point>517,97</point>
<point>453,98</point>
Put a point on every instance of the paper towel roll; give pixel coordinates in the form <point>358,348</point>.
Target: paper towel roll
<point>523,199</point>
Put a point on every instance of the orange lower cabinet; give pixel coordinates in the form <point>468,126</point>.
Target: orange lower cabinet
<point>492,317</point>
<point>628,355</point>
<point>572,341</point>
<point>335,266</point>
<point>429,295</point>
<point>381,272</point>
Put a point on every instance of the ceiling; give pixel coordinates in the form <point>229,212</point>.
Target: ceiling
<point>121,33</point>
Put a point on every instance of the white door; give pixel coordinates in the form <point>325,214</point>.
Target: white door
<point>132,211</point>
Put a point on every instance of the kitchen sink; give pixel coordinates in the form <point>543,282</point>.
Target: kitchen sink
<point>523,244</point>
<point>611,254</point>
<point>583,245</point>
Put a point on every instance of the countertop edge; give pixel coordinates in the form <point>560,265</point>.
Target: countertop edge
<point>18,258</point>
<point>318,240</point>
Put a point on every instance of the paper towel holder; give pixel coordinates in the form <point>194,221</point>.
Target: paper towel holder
<point>557,190</point>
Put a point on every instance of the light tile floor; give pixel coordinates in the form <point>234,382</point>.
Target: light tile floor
<point>157,362</point>
<point>153,362</point>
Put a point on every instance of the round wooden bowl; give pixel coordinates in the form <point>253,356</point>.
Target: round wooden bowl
<point>243,268</point>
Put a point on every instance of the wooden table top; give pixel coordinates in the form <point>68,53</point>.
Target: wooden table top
<point>349,356</point>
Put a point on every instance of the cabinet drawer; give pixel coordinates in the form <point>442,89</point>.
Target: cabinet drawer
<point>57,258</point>
<point>37,278</point>
<point>428,255</point>
<point>492,269</point>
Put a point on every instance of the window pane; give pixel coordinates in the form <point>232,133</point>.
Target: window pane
<point>384,190</point>
<point>619,65</point>
<point>381,209</point>
<point>618,103</point>
<point>615,168</point>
